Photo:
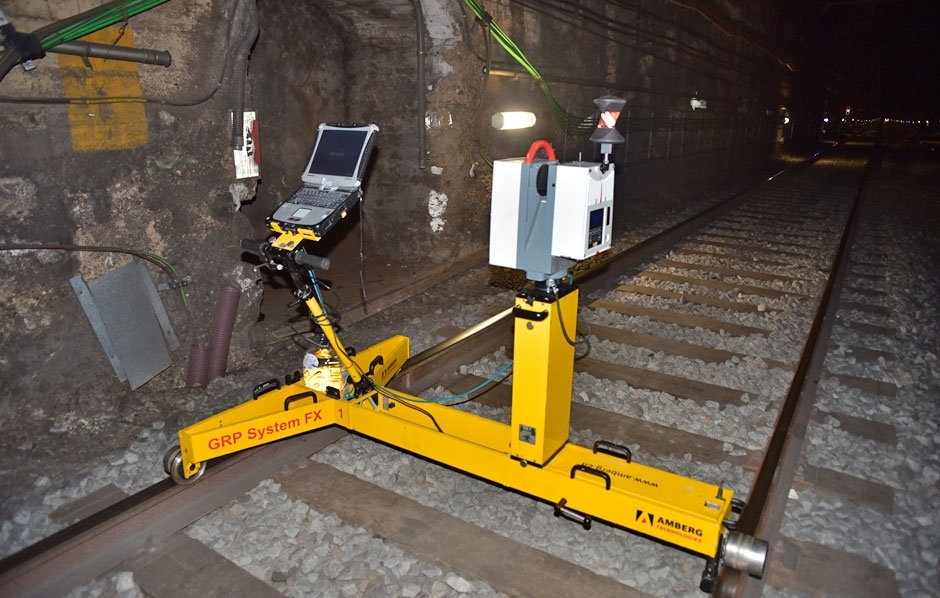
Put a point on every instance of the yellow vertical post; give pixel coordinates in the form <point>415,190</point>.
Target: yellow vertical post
<point>100,126</point>
<point>543,367</point>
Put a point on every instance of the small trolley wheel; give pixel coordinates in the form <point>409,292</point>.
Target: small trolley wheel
<point>168,458</point>
<point>173,464</point>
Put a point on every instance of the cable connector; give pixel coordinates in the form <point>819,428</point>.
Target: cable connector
<point>177,284</point>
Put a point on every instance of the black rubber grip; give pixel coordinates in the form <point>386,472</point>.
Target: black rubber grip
<point>301,395</point>
<point>525,314</point>
<point>265,387</point>
<point>305,259</point>
<point>252,246</point>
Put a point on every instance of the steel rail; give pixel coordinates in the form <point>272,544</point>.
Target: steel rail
<point>766,504</point>
<point>71,557</point>
<point>99,543</point>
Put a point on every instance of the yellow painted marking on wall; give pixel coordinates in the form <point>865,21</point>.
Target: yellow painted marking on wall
<point>104,126</point>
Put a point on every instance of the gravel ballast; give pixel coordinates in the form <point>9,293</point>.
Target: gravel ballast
<point>301,552</point>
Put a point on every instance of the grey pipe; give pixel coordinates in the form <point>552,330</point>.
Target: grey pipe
<point>422,100</point>
<point>109,52</point>
<point>240,75</point>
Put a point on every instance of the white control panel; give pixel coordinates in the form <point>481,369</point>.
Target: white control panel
<point>584,210</point>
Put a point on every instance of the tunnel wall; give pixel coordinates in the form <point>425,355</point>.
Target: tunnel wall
<point>158,176</point>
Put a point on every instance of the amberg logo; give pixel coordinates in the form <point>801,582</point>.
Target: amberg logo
<point>645,517</point>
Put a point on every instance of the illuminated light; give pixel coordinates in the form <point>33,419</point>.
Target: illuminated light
<point>786,120</point>
<point>698,104</point>
<point>825,119</point>
<point>503,121</point>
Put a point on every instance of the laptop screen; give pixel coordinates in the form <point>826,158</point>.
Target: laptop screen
<point>337,153</point>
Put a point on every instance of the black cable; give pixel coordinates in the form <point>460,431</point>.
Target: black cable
<point>362,257</point>
<point>564,331</point>
<point>561,320</point>
<point>480,125</point>
<point>562,12</point>
<point>416,408</point>
<point>611,25</point>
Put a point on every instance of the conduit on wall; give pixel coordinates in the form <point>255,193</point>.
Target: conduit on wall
<point>240,74</point>
<point>220,336</point>
<point>197,375</point>
<point>419,24</point>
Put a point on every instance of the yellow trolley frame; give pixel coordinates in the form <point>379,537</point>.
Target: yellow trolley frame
<point>531,455</point>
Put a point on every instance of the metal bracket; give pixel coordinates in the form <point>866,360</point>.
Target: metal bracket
<point>171,286</point>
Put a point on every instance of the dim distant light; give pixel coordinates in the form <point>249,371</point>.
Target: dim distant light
<point>503,121</point>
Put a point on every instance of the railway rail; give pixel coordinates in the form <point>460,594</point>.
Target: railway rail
<point>722,320</point>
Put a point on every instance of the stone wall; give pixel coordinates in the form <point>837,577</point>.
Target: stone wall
<point>158,176</point>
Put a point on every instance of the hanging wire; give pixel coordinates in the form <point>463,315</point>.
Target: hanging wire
<point>153,258</point>
<point>571,124</point>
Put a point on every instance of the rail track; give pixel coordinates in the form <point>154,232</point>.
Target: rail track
<point>705,345</point>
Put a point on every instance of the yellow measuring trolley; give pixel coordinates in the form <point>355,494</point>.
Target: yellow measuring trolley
<point>532,454</point>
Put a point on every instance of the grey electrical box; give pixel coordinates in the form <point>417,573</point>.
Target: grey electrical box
<point>130,321</point>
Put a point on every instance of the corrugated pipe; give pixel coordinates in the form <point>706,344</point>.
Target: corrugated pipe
<point>422,100</point>
<point>198,373</point>
<point>240,75</point>
<point>220,336</point>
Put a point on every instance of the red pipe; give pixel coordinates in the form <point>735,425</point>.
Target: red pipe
<point>220,336</point>
<point>198,373</point>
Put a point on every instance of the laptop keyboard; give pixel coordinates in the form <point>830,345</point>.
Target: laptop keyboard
<point>318,198</point>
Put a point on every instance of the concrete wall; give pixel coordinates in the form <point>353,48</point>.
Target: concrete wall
<point>159,176</point>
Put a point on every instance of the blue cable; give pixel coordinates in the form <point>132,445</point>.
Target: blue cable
<point>393,394</point>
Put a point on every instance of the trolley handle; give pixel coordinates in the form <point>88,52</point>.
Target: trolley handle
<point>300,257</point>
<point>255,247</point>
<point>314,261</point>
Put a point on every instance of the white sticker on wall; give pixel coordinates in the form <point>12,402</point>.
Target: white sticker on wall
<point>437,205</point>
<point>248,159</point>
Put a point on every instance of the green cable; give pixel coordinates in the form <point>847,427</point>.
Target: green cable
<point>92,20</point>
<point>153,258</point>
<point>173,270</point>
<point>113,13</point>
<point>570,124</point>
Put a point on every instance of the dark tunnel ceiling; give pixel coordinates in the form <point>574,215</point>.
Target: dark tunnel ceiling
<point>880,56</point>
<point>883,54</point>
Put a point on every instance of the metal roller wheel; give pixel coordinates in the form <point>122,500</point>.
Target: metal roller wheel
<point>168,458</point>
<point>173,465</point>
